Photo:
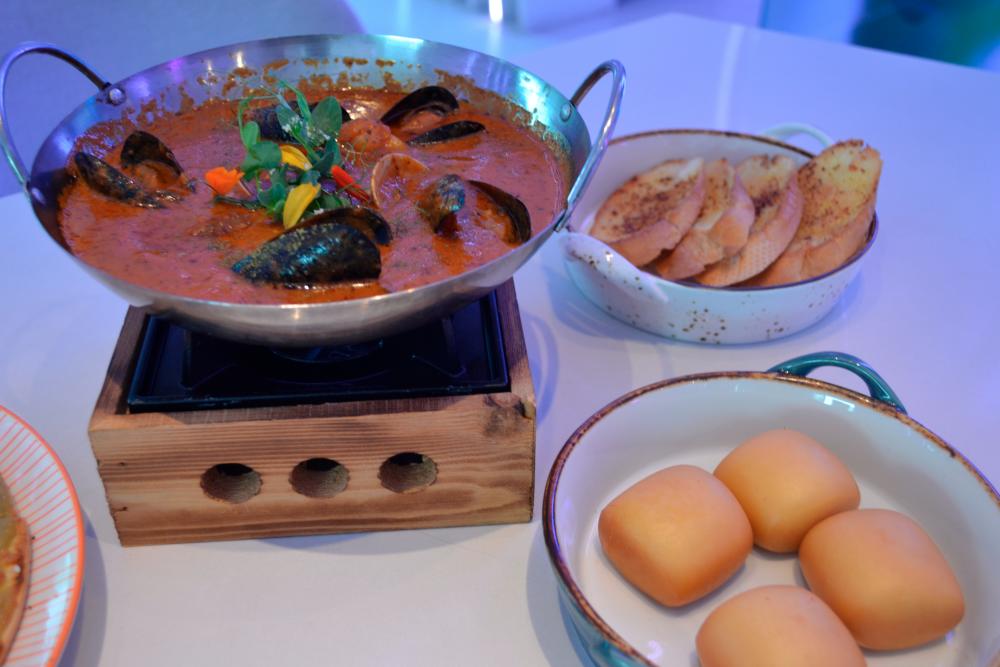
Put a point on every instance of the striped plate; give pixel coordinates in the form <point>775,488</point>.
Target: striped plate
<point>44,496</point>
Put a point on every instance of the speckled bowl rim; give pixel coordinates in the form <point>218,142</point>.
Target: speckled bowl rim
<point>553,546</point>
<point>872,229</point>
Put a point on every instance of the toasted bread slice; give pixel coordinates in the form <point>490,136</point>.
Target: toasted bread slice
<point>652,210</point>
<point>838,188</point>
<point>771,182</point>
<point>720,231</point>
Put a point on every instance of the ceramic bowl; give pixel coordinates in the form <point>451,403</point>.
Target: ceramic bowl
<point>686,310</point>
<point>697,420</point>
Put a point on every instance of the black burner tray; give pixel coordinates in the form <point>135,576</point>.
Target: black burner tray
<point>181,370</point>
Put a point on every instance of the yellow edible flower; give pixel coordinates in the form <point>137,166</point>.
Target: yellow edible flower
<point>291,155</point>
<point>297,202</point>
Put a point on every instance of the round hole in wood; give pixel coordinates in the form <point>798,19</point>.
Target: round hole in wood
<point>407,472</point>
<point>319,478</point>
<point>231,482</point>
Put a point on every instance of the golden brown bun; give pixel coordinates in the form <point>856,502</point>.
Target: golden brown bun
<point>677,535</point>
<point>652,210</point>
<point>787,483</point>
<point>838,187</point>
<point>776,626</point>
<point>770,181</point>
<point>720,230</point>
<point>883,576</point>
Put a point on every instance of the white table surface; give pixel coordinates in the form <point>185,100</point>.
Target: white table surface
<point>924,313</point>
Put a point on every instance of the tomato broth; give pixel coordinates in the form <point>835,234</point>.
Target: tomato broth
<point>189,246</point>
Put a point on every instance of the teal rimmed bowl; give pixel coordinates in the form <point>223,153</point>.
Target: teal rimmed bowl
<point>697,419</point>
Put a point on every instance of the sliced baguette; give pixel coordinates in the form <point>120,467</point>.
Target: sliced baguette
<point>771,183</point>
<point>652,211</point>
<point>838,188</point>
<point>720,231</point>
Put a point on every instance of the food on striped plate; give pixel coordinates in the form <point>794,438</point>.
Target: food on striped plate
<point>15,558</point>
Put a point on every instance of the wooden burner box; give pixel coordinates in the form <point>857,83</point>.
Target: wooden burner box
<point>190,476</point>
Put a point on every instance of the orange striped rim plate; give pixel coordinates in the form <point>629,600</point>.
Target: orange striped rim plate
<point>45,498</point>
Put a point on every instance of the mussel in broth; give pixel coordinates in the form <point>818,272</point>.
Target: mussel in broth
<point>432,99</point>
<point>111,182</point>
<point>444,198</point>
<point>513,210</point>
<point>364,219</point>
<point>456,130</point>
<point>324,252</point>
<point>143,148</point>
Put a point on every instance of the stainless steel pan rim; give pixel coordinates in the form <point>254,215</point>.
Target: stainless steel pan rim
<point>330,322</point>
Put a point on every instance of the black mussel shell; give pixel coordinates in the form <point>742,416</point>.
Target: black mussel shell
<point>267,119</point>
<point>429,98</point>
<point>317,254</point>
<point>456,130</point>
<point>142,147</point>
<point>513,207</point>
<point>444,197</point>
<point>107,180</point>
<point>365,220</point>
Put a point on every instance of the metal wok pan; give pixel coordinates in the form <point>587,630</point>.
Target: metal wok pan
<point>366,60</point>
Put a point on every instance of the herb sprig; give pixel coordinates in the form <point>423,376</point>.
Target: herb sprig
<point>289,179</point>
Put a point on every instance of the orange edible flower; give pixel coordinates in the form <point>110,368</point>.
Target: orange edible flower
<point>223,180</point>
<point>342,178</point>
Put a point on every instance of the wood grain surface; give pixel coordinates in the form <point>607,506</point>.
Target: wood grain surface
<point>152,463</point>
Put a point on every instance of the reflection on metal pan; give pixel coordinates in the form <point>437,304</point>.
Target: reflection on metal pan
<point>368,60</point>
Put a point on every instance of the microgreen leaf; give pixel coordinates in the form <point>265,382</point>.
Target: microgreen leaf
<point>328,202</point>
<point>326,120</point>
<point>240,110</point>
<point>250,133</point>
<point>261,155</point>
<point>273,198</point>
<point>270,196</point>
<point>331,156</point>
<point>277,208</point>
<point>303,104</point>
<point>289,121</point>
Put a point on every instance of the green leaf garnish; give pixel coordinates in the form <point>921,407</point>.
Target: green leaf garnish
<point>299,97</point>
<point>330,157</point>
<point>326,121</point>
<point>289,121</point>
<point>250,133</point>
<point>270,196</point>
<point>315,132</point>
<point>328,202</point>
<point>261,156</point>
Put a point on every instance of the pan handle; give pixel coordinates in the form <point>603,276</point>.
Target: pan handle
<point>617,72</point>
<point>877,387</point>
<point>108,93</point>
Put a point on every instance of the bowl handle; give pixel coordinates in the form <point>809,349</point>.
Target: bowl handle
<point>615,269</point>
<point>108,93</point>
<point>877,387</point>
<point>785,131</point>
<point>617,72</point>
